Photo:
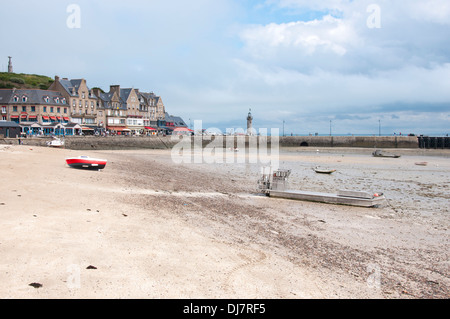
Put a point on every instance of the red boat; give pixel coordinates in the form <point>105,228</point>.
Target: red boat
<point>86,162</point>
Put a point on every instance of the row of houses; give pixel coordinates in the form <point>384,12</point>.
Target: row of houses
<point>70,107</point>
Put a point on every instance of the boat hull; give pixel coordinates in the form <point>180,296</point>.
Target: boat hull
<point>327,198</point>
<point>86,163</point>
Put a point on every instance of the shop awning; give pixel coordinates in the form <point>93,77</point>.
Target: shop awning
<point>24,116</point>
<point>84,128</point>
<point>66,118</point>
<point>45,117</point>
<point>53,117</point>
<point>32,116</point>
<point>116,128</point>
<point>182,129</point>
<point>150,128</point>
<point>14,116</point>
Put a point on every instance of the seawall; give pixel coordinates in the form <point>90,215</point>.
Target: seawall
<point>167,142</point>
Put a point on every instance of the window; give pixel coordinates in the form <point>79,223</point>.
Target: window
<point>82,95</point>
<point>24,98</point>
<point>16,98</point>
<point>86,104</point>
<point>33,109</point>
<point>74,103</point>
<point>51,109</point>
<point>14,108</point>
<point>44,109</point>
<point>63,101</point>
<point>46,99</point>
<point>58,110</point>
<point>24,108</point>
<point>65,110</point>
<point>3,109</point>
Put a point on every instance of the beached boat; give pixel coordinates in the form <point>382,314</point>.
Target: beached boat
<point>323,170</point>
<point>56,142</point>
<point>421,163</point>
<point>380,153</point>
<point>274,184</point>
<point>86,162</point>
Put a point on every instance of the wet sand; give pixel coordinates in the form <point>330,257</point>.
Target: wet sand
<point>145,227</point>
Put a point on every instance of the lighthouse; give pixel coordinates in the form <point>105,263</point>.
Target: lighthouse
<point>249,123</point>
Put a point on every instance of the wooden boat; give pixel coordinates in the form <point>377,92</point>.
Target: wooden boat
<point>323,170</point>
<point>380,153</point>
<point>86,162</point>
<point>421,163</point>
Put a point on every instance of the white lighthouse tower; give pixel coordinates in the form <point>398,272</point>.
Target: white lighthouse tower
<point>250,123</point>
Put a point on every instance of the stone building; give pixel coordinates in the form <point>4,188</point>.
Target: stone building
<point>34,110</point>
<point>82,101</point>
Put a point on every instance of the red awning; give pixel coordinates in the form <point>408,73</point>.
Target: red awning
<point>66,118</point>
<point>53,117</point>
<point>45,117</point>
<point>116,128</point>
<point>14,116</point>
<point>32,116</point>
<point>150,128</point>
<point>24,116</point>
<point>182,129</point>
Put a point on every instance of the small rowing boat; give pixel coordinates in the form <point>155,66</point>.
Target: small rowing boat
<point>421,163</point>
<point>323,170</point>
<point>380,153</point>
<point>86,162</point>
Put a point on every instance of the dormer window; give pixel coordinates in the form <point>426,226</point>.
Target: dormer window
<point>46,99</point>
<point>24,98</point>
<point>16,98</point>
<point>63,101</point>
<point>56,99</point>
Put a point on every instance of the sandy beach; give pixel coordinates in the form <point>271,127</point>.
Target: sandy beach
<point>145,227</point>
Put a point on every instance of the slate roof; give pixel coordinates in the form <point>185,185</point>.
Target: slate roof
<point>33,97</point>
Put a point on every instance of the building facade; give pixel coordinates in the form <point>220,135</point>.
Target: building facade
<point>82,101</point>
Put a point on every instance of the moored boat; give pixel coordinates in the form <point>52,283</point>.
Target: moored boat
<point>56,142</point>
<point>323,170</point>
<point>86,162</point>
<point>380,153</point>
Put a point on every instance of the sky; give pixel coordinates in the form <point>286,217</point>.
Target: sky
<point>303,67</point>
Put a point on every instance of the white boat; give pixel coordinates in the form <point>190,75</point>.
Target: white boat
<point>56,142</point>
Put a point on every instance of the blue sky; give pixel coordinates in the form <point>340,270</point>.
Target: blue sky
<point>302,62</point>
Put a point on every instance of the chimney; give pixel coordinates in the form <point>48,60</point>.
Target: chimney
<point>96,92</point>
<point>114,88</point>
<point>56,78</point>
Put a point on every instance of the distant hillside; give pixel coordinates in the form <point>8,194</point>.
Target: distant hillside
<point>24,81</point>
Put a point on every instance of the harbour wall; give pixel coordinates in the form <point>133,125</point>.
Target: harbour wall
<point>167,142</point>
